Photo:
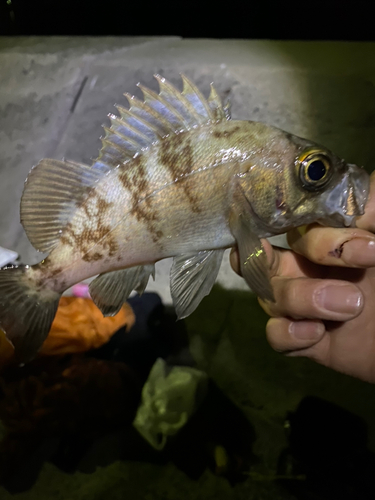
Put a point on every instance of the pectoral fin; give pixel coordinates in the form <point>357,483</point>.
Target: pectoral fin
<point>192,278</point>
<point>110,291</point>
<point>253,259</point>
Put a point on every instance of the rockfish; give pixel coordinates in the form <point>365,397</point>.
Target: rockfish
<point>176,177</point>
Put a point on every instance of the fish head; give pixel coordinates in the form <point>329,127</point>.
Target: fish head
<point>296,182</point>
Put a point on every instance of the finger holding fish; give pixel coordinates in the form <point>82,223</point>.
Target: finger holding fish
<point>301,293</point>
<point>347,247</point>
<point>308,298</point>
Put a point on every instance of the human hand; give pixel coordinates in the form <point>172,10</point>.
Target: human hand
<point>324,291</point>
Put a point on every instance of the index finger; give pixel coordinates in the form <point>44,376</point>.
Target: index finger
<point>346,247</point>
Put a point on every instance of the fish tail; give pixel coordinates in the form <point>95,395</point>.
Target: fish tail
<point>27,309</point>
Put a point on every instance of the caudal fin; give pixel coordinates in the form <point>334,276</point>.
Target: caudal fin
<point>26,312</point>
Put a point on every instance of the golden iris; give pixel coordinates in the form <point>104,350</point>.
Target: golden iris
<point>314,169</point>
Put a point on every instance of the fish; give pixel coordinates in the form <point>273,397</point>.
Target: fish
<point>176,177</point>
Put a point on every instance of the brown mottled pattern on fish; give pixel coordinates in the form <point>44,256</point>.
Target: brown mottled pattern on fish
<point>176,153</point>
<point>92,230</point>
<point>135,181</point>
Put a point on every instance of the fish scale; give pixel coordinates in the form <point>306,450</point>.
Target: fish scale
<point>175,177</point>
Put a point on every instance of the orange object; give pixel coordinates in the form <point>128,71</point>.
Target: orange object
<point>79,326</point>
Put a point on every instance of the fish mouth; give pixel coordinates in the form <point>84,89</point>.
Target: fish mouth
<point>346,200</point>
<point>338,220</point>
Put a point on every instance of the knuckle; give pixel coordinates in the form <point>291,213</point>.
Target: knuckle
<point>288,293</point>
<point>295,298</point>
<point>275,339</point>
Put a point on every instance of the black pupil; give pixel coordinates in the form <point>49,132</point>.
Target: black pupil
<point>316,170</point>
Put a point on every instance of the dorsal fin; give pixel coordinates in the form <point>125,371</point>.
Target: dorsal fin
<point>52,192</point>
<point>146,123</point>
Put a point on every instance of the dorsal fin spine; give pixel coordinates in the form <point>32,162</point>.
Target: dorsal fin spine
<point>110,133</point>
<point>216,105</point>
<point>105,158</point>
<point>116,121</point>
<point>114,145</point>
<point>125,113</point>
<point>150,95</point>
<point>165,85</point>
<point>136,104</point>
<point>187,84</point>
<point>132,142</point>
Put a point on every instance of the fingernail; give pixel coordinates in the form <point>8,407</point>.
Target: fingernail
<point>342,299</point>
<point>306,330</point>
<point>359,251</point>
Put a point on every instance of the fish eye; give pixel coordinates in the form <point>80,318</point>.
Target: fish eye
<point>314,170</point>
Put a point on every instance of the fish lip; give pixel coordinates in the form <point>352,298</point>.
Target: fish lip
<point>360,184</point>
<point>337,220</point>
<point>349,220</point>
<point>346,200</point>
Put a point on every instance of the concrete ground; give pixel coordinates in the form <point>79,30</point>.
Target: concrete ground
<point>55,94</point>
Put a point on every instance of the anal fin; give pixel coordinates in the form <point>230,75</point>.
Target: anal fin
<point>192,278</point>
<point>109,291</point>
